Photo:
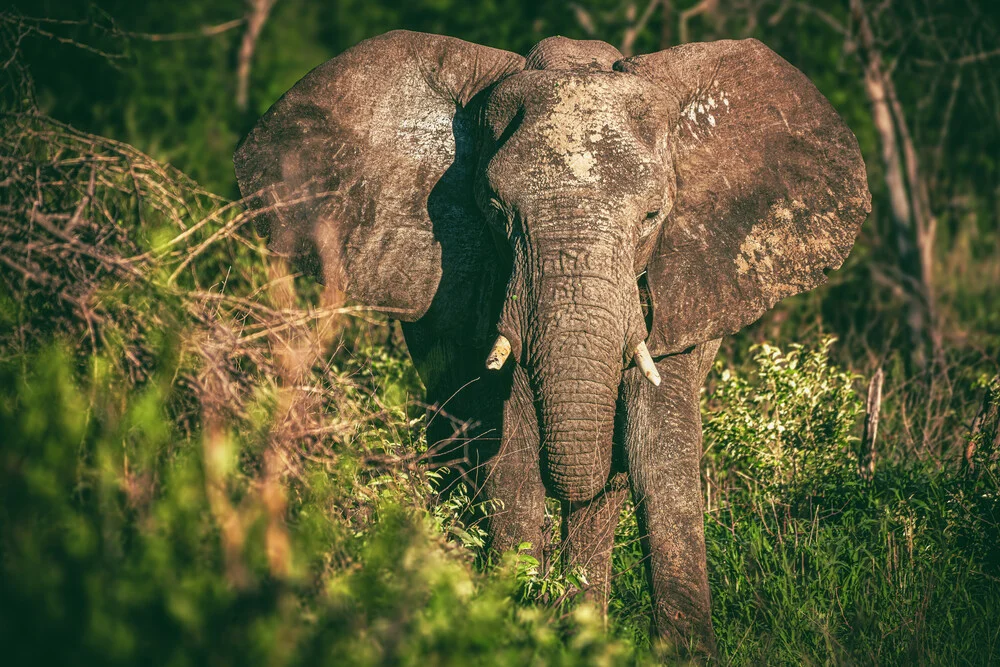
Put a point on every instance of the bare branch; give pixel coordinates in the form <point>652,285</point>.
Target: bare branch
<point>976,57</point>
<point>823,16</point>
<point>703,7</point>
<point>584,19</point>
<point>632,31</point>
<point>205,31</point>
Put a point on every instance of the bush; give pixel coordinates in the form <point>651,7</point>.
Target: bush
<point>207,465</point>
<point>124,542</point>
<point>809,562</point>
<point>786,431</point>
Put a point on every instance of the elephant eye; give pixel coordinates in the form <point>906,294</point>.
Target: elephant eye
<point>649,223</point>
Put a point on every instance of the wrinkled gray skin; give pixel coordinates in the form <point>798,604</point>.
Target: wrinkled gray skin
<point>578,203</point>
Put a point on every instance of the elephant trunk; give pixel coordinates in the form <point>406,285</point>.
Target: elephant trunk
<point>585,312</point>
<point>577,386</point>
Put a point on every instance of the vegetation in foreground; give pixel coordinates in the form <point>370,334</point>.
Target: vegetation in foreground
<point>203,464</point>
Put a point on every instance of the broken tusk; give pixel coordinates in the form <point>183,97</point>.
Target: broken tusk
<point>646,365</point>
<point>499,354</point>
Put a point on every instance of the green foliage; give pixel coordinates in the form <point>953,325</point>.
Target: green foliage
<point>811,563</point>
<point>220,474</point>
<point>788,427</point>
<point>114,550</point>
<point>142,518</point>
<point>141,515</point>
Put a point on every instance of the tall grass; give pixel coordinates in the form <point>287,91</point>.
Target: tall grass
<point>810,563</point>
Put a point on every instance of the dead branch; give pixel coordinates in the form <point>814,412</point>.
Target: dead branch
<point>584,19</point>
<point>204,31</point>
<point>873,407</point>
<point>632,31</point>
<point>976,57</point>
<point>703,7</point>
<point>822,15</point>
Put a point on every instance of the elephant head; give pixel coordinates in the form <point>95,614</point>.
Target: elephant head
<point>586,211</point>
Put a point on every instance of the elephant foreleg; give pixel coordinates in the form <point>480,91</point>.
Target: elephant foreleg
<point>511,479</point>
<point>663,446</point>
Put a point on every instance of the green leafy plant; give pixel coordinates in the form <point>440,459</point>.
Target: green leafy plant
<point>788,426</point>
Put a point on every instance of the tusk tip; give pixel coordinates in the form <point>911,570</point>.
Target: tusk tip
<point>645,363</point>
<point>499,353</point>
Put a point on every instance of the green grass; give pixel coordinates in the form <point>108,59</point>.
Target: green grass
<point>98,568</point>
<point>810,564</point>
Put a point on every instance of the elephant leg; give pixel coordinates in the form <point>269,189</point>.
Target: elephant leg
<point>511,477</point>
<point>663,446</point>
<point>484,429</point>
<point>588,537</point>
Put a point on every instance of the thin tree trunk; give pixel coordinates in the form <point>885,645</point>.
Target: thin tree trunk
<point>667,25</point>
<point>913,225</point>
<point>257,13</point>
<point>873,408</point>
<point>925,223</point>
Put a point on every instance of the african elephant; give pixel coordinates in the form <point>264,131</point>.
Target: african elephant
<point>566,237</point>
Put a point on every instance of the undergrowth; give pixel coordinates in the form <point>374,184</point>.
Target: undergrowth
<point>208,459</point>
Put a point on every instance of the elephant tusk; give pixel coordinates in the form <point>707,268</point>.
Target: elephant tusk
<point>499,354</point>
<point>646,365</point>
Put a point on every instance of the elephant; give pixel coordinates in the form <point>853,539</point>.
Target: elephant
<point>565,238</point>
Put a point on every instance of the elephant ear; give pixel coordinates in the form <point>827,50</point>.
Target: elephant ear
<point>771,189</point>
<point>366,163</point>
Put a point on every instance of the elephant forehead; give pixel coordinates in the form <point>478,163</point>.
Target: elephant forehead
<point>556,53</point>
<point>580,94</point>
<point>571,129</point>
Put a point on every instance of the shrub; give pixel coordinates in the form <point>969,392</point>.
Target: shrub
<point>226,473</point>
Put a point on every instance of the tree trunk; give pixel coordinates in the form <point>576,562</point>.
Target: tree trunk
<point>913,227</point>
<point>257,13</point>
